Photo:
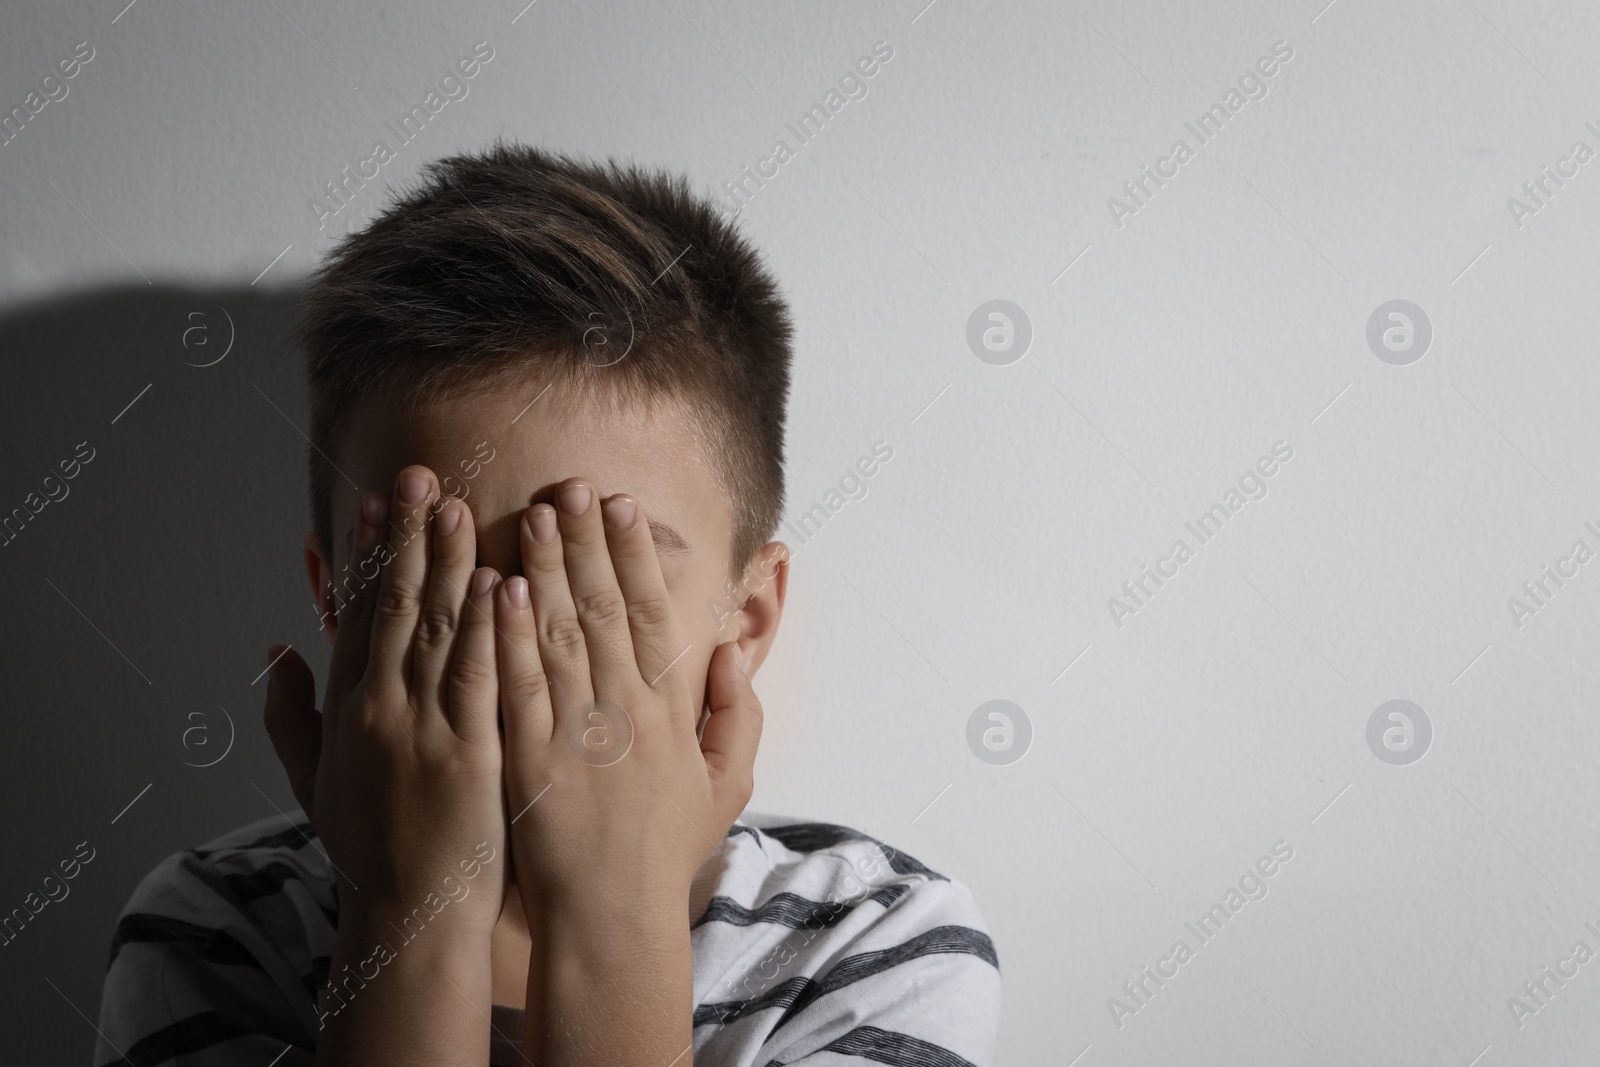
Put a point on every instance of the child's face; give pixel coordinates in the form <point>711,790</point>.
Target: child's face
<point>500,454</point>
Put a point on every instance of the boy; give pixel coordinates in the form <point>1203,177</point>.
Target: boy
<point>547,438</point>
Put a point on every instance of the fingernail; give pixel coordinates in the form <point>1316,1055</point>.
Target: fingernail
<point>413,487</point>
<point>618,512</point>
<point>482,579</point>
<point>738,660</point>
<point>449,519</point>
<point>575,499</point>
<point>517,591</point>
<point>543,523</point>
<point>374,509</point>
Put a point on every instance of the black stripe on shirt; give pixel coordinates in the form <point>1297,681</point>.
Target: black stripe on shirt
<point>317,980</point>
<point>889,1046</point>
<point>295,836</point>
<point>791,910</point>
<point>182,1038</point>
<point>959,939</point>
<point>213,946</point>
<point>268,880</point>
<point>797,994</point>
<point>814,836</point>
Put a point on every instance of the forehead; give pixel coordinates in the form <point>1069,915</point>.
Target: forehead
<point>504,449</point>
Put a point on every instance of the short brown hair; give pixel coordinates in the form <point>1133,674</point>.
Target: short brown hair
<point>515,260</point>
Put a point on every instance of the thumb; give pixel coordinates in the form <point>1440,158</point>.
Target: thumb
<point>732,733</point>
<point>293,723</point>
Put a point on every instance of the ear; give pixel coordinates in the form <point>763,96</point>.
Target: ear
<point>319,572</point>
<point>766,578</point>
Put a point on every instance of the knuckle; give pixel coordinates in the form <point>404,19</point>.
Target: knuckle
<point>357,591</point>
<point>471,671</point>
<point>375,708</point>
<point>435,625</point>
<point>395,601</point>
<point>649,614</point>
<point>354,600</point>
<point>355,608</point>
<point>527,689</point>
<point>603,608</point>
<point>564,634</point>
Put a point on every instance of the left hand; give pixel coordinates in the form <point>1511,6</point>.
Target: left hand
<point>587,653</point>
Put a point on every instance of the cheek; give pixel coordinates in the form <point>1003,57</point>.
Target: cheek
<point>695,617</point>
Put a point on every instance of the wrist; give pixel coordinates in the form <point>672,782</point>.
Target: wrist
<point>391,931</point>
<point>591,962</point>
<point>609,927</point>
<point>389,999</point>
<point>610,963</point>
<point>624,902</point>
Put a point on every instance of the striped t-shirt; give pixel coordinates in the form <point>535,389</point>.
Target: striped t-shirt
<point>813,944</point>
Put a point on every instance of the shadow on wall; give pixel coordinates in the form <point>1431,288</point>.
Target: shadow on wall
<point>151,508</point>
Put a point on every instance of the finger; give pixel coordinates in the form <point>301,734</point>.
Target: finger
<point>292,722</point>
<point>473,700</point>
<point>525,706</point>
<point>560,645</point>
<point>732,733</point>
<point>596,597</point>
<point>656,646</point>
<point>454,550</point>
<point>404,578</point>
<point>355,591</point>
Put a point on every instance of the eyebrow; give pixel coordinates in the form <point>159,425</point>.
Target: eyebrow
<point>668,541</point>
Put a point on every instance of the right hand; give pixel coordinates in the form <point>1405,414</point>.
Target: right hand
<point>401,772</point>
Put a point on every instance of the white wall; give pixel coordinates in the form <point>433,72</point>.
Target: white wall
<point>1226,314</point>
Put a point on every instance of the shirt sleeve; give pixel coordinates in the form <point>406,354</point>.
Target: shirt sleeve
<point>918,986</point>
<point>206,969</point>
